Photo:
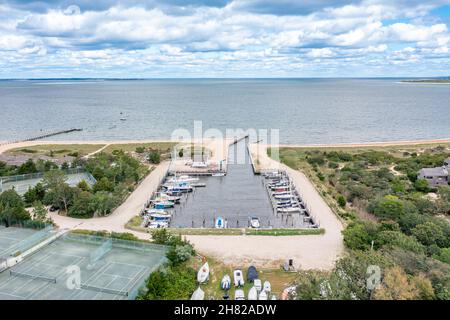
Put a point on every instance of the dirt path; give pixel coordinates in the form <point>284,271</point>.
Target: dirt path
<point>97,151</point>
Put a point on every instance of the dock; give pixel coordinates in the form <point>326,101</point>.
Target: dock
<point>44,135</point>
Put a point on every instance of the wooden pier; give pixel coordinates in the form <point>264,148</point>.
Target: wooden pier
<point>45,135</point>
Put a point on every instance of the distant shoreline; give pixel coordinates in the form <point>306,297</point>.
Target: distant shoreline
<point>429,81</point>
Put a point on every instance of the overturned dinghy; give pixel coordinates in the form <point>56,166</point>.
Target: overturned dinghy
<point>253,294</point>
<point>203,273</point>
<point>198,294</point>
<point>225,284</point>
<point>263,295</point>
<point>267,287</point>
<point>239,295</point>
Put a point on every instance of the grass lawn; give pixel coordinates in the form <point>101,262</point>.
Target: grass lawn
<point>59,150</point>
<point>283,232</point>
<point>163,147</point>
<point>277,278</point>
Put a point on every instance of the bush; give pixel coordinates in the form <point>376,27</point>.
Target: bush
<point>388,207</point>
<point>421,185</point>
<point>359,235</point>
<point>429,233</point>
<point>154,157</point>
<point>341,201</point>
<point>170,283</point>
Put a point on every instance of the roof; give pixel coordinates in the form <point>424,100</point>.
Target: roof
<point>434,172</point>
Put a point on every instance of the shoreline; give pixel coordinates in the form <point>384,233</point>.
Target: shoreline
<point>9,146</point>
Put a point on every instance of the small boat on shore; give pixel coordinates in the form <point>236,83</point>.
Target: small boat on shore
<point>263,295</point>
<point>225,284</point>
<point>253,294</point>
<point>254,222</point>
<point>239,295</point>
<point>158,225</point>
<point>203,273</point>
<point>220,223</point>
<point>267,287</point>
<point>198,294</point>
<point>238,278</point>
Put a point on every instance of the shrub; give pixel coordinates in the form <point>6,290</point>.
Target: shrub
<point>154,157</point>
<point>341,201</point>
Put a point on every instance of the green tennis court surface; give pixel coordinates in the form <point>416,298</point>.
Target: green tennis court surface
<point>107,270</point>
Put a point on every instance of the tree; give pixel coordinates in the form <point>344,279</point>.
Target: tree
<point>65,166</point>
<point>37,193</point>
<point>104,202</point>
<point>39,212</point>
<point>388,207</point>
<point>421,185</point>
<point>82,205</point>
<point>399,239</point>
<point>359,235</point>
<point>28,167</point>
<point>83,185</point>
<point>179,254</point>
<point>103,185</point>
<point>54,179</point>
<point>396,286</point>
<point>12,207</point>
<point>429,233</point>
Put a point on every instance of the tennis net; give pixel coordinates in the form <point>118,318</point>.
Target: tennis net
<point>31,276</point>
<point>104,290</point>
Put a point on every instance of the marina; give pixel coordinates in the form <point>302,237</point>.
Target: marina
<point>239,199</point>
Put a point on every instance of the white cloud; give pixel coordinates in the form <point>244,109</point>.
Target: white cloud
<point>225,38</point>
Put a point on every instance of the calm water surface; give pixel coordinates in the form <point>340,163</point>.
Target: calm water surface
<point>306,111</point>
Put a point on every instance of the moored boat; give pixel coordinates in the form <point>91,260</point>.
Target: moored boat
<point>253,294</point>
<point>203,273</point>
<point>198,294</point>
<point>225,284</point>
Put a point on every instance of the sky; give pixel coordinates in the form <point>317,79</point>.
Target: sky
<point>224,38</point>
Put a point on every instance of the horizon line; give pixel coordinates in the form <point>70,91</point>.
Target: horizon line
<point>220,78</point>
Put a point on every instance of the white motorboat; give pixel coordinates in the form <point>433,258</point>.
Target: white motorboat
<point>238,278</point>
<point>263,295</point>
<point>218,174</point>
<point>225,284</point>
<point>257,284</point>
<point>267,288</point>
<point>198,294</point>
<point>203,273</point>
<point>182,179</point>
<point>253,294</point>
<point>254,222</point>
<point>239,295</point>
<point>284,197</point>
<point>289,210</point>
<point>274,297</point>
<point>158,225</point>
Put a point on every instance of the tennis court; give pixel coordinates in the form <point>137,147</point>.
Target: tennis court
<point>22,186</point>
<point>79,267</point>
<point>11,237</point>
